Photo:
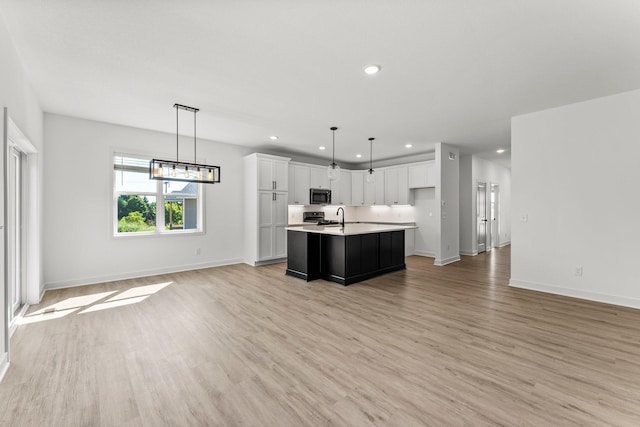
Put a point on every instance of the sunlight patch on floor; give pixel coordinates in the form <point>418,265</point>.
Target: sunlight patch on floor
<point>94,302</point>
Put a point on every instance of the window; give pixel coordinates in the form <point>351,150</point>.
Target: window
<point>148,206</point>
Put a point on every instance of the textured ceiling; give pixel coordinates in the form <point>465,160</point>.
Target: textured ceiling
<point>452,71</point>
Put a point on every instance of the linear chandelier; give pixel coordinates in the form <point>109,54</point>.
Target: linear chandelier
<point>175,170</point>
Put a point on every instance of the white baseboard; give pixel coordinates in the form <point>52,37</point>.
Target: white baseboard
<point>441,262</point>
<point>14,324</point>
<point>4,365</point>
<point>503,244</point>
<point>469,253</point>
<point>266,262</point>
<point>576,293</point>
<point>136,274</point>
<point>425,253</point>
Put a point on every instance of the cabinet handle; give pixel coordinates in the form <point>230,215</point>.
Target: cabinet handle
<point>273,185</point>
<point>273,196</point>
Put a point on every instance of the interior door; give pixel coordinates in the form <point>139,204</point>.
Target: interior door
<point>481,213</point>
<point>495,215</point>
<point>14,230</point>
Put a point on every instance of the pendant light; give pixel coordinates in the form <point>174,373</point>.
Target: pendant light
<point>334,169</point>
<point>170,170</point>
<point>371,177</point>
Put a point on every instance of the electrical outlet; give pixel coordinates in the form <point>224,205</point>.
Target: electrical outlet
<point>524,218</point>
<point>578,270</point>
<point>197,251</point>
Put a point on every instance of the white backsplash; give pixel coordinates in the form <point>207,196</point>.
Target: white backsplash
<point>357,213</point>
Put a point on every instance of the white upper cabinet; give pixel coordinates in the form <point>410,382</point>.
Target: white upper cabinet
<point>374,191</point>
<point>319,178</point>
<point>422,174</point>
<point>341,189</point>
<point>272,173</point>
<point>357,188</point>
<point>299,184</point>
<point>397,186</point>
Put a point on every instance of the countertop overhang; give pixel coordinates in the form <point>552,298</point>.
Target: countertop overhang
<point>349,228</point>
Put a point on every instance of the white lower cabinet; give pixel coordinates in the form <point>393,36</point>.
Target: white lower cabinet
<point>272,208</point>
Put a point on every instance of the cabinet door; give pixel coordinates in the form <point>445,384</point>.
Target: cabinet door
<point>319,177</point>
<point>379,188</point>
<point>341,189</point>
<point>357,188</point>
<point>265,243</point>
<point>280,211</point>
<point>265,210</point>
<point>280,175</point>
<point>374,191</point>
<point>265,174</point>
<point>345,188</point>
<point>299,185</point>
<point>391,186</point>
<point>422,175</point>
<point>397,186</point>
<point>403,186</point>
<point>273,174</point>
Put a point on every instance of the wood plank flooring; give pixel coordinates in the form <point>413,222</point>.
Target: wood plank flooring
<point>245,346</point>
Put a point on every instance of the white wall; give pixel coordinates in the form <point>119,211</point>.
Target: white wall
<point>78,240</point>
<point>575,199</point>
<point>473,170</point>
<point>448,202</point>
<point>24,109</point>
<point>427,219</point>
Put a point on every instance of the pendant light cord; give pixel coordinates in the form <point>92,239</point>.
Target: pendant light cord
<point>371,155</point>
<point>195,158</point>
<point>333,156</point>
<point>177,158</point>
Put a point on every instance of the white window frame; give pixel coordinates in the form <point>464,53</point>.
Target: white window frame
<point>160,199</point>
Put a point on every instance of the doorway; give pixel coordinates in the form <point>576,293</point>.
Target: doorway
<point>495,215</point>
<point>481,214</point>
<point>15,264</point>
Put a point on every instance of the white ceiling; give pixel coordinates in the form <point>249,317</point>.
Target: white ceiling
<point>452,71</point>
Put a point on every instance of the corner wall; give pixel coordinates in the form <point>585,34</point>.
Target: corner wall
<point>78,239</point>
<point>447,196</point>
<point>575,200</point>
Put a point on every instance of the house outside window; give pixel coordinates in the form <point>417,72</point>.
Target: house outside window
<point>143,206</point>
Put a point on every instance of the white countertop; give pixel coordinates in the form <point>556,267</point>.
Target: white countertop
<point>349,229</point>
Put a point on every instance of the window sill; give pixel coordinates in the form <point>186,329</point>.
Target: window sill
<point>156,234</point>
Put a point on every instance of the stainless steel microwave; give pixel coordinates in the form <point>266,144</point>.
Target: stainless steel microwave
<point>319,196</point>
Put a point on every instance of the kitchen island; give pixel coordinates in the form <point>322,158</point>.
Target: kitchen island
<point>344,254</point>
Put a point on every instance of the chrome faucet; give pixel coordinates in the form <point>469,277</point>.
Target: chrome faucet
<point>337,213</point>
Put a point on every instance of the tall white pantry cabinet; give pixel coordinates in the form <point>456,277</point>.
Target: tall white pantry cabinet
<point>266,192</point>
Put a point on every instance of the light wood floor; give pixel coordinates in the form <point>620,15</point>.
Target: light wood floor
<point>238,345</point>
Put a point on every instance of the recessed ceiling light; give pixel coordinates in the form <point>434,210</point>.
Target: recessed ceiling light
<point>500,151</point>
<point>322,147</point>
<point>408,145</point>
<point>358,155</point>
<point>273,137</point>
<point>372,69</point>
